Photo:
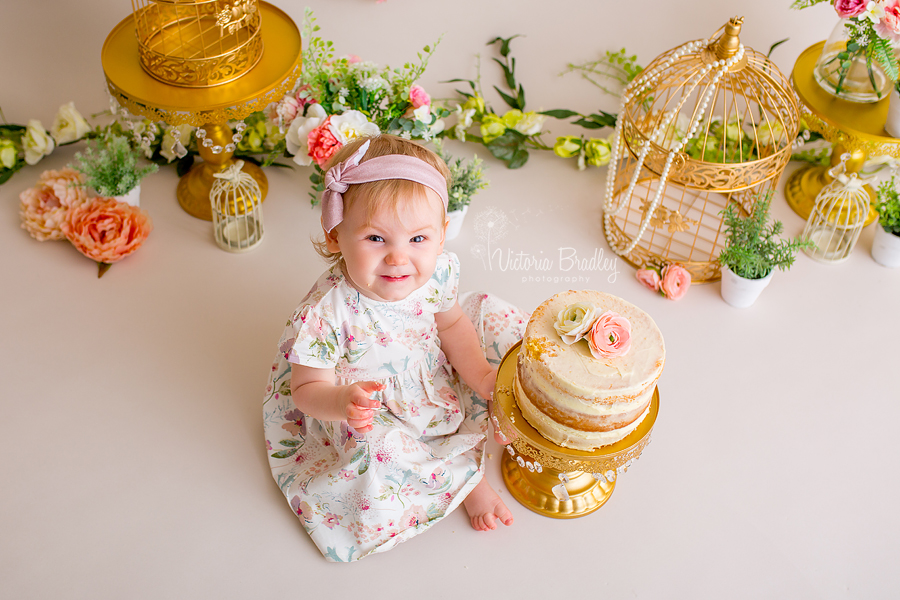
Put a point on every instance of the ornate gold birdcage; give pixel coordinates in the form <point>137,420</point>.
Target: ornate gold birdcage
<point>707,123</point>
<point>197,43</point>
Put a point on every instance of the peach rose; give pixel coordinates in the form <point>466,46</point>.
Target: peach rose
<point>610,336</point>
<point>107,230</point>
<point>675,282</point>
<point>43,208</point>
<point>322,143</point>
<point>648,277</point>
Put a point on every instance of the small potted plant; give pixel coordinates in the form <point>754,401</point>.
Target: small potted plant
<point>112,170</point>
<point>752,251</point>
<point>886,245</point>
<point>465,180</point>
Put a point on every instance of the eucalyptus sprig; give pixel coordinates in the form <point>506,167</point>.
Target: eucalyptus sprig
<point>752,244</point>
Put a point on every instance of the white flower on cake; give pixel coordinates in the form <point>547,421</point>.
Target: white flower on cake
<point>575,321</point>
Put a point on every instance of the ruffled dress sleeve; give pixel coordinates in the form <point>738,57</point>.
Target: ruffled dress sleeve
<point>310,337</point>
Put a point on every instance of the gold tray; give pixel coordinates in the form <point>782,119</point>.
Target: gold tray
<point>533,465</point>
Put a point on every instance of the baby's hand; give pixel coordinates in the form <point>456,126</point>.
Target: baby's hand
<point>357,406</point>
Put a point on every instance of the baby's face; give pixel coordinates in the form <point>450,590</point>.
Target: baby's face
<point>393,255</point>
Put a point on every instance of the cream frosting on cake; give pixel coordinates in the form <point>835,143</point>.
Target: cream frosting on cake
<point>574,399</point>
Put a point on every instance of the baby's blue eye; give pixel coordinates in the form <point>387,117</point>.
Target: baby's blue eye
<point>418,239</point>
<point>375,238</point>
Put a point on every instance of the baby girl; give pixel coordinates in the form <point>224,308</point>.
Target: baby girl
<point>376,408</point>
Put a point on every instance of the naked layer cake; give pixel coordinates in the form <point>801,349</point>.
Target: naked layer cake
<point>587,369</point>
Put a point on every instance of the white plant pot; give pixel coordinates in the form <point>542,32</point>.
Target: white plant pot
<point>740,292</point>
<point>892,124</point>
<point>456,218</point>
<point>133,197</point>
<point>886,248</point>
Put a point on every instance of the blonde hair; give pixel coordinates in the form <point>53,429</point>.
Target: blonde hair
<point>387,193</point>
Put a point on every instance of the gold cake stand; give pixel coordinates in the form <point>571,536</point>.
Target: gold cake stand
<point>211,107</point>
<point>853,127</point>
<point>551,480</point>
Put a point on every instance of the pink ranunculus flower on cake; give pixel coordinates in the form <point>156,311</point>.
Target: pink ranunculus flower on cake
<point>418,96</point>
<point>44,207</point>
<point>649,278</point>
<point>675,282</point>
<point>322,143</point>
<point>849,8</point>
<point>610,337</point>
<point>106,230</point>
<point>889,25</point>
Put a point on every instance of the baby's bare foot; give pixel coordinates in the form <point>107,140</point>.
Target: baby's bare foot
<point>485,506</point>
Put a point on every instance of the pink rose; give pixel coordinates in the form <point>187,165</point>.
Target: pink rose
<point>675,282</point>
<point>648,277</point>
<point>287,110</point>
<point>419,97</point>
<point>44,207</point>
<point>303,96</point>
<point>610,336</point>
<point>849,8</point>
<point>106,230</point>
<point>322,143</point>
<point>889,25</point>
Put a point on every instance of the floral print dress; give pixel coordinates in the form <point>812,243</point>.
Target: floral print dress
<point>361,493</point>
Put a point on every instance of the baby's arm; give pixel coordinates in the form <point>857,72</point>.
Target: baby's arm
<point>459,342</point>
<point>315,393</point>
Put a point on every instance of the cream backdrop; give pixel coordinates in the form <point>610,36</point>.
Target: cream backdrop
<point>133,463</point>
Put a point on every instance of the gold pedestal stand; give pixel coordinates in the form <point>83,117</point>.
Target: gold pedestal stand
<point>210,108</point>
<point>533,465</point>
<point>853,127</point>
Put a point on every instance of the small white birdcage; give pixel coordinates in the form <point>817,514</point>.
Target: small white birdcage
<point>236,209</point>
<point>838,216</point>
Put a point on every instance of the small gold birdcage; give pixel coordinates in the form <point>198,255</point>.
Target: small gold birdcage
<point>707,123</point>
<point>838,216</point>
<point>197,43</point>
<point>236,203</point>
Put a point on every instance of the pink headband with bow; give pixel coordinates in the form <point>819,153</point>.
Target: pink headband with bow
<point>391,166</point>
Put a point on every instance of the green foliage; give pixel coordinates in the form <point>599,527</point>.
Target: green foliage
<point>798,4</point>
<point>466,179</point>
<point>111,166</point>
<point>618,66</point>
<point>380,93</point>
<point>889,207</point>
<point>752,247</point>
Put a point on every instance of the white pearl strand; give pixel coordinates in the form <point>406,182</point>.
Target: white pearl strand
<point>144,141</point>
<point>641,83</point>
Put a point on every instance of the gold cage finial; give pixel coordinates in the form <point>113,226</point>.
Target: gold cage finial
<point>730,42</point>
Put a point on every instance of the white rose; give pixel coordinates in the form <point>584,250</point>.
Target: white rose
<point>423,114</point>
<point>69,125</point>
<point>37,142</point>
<point>351,125</point>
<point>575,321</point>
<point>173,142</point>
<point>676,132</point>
<point>297,137</point>
<point>531,123</point>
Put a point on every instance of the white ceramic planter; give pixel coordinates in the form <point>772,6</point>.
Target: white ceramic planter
<point>892,124</point>
<point>740,292</point>
<point>133,197</point>
<point>886,248</point>
<point>456,218</point>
